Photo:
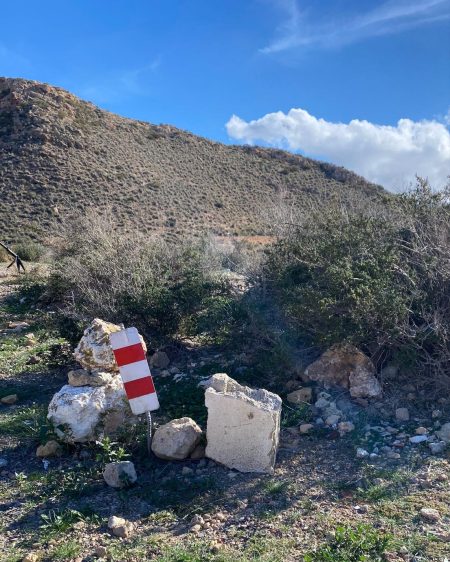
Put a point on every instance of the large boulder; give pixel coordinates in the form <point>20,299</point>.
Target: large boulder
<point>177,439</point>
<point>94,350</point>
<point>346,366</point>
<point>243,425</point>
<point>87,413</point>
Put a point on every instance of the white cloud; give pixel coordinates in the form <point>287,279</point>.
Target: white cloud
<point>392,16</point>
<point>388,155</point>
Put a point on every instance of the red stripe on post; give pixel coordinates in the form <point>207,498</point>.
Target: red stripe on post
<point>139,387</point>
<point>129,354</point>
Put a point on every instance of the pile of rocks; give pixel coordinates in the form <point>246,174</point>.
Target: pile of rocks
<point>93,404</point>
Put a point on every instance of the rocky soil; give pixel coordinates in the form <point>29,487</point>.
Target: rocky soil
<point>377,475</point>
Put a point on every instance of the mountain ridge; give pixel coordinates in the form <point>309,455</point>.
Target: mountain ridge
<point>60,155</point>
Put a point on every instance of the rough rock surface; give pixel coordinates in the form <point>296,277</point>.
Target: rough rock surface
<point>346,366</point>
<point>88,413</point>
<point>243,425</point>
<point>177,439</point>
<point>94,351</point>
<point>82,377</point>
<point>119,474</point>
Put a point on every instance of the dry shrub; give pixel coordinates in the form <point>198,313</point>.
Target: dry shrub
<point>162,288</point>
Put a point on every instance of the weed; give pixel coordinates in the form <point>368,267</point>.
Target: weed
<point>56,523</point>
<point>110,451</point>
<point>294,415</point>
<point>362,544</point>
<point>68,550</point>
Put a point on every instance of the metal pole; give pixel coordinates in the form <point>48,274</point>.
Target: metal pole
<point>148,415</point>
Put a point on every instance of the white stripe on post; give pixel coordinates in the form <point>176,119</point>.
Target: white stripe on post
<point>134,370</point>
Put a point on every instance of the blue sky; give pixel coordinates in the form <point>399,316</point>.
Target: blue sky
<point>353,68</point>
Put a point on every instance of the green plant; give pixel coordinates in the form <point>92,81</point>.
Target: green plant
<point>29,251</point>
<point>360,544</point>
<point>378,280</point>
<point>67,550</point>
<point>56,523</point>
<point>110,451</point>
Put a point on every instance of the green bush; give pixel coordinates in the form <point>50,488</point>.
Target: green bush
<point>29,251</point>
<point>380,281</point>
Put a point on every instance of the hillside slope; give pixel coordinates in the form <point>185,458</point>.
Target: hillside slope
<point>60,155</point>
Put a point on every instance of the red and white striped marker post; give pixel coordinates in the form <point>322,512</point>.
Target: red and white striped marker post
<point>134,370</point>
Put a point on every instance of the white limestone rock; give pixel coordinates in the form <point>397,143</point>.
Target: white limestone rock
<point>243,427</point>
<point>87,413</point>
<point>176,440</point>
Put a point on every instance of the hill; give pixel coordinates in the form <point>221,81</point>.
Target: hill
<point>60,155</point>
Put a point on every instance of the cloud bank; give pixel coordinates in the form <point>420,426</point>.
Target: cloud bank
<point>388,155</point>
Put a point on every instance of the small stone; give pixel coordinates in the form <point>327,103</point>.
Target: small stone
<point>305,428</point>
<point>186,471</point>
<point>30,557</point>
<point>418,439</point>
<point>345,427</point>
<point>10,399</point>
<point>300,396</point>
<point>430,515</point>
<point>198,453</point>
<point>361,453</point>
<point>120,527</point>
<point>436,414</point>
<point>322,403</point>
<point>402,414</point>
<point>393,455</point>
<point>332,420</point>
<point>195,528</point>
<point>232,474</point>
<point>221,516</point>
<point>421,431</point>
<point>119,474</point>
<point>437,448</point>
<point>197,520</point>
<point>444,433</point>
<point>51,449</point>
<point>3,462</point>
<point>100,551</point>
<point>159,360</point>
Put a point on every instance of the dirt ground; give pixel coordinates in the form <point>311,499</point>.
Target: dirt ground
<point>321,503</point>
